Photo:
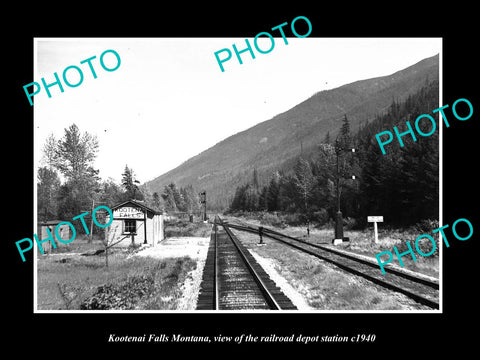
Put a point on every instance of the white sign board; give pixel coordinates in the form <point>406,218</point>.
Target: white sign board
<point>128,212</point>
<point>375,219</point>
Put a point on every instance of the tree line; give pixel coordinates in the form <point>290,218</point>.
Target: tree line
<point>183,199</point>
<point>68,184</point>
<point>402,185</point>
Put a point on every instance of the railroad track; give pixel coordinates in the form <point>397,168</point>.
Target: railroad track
<point>421,289</point>
<point>233,280</point>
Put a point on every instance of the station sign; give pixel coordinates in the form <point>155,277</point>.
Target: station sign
<point>128,212</point>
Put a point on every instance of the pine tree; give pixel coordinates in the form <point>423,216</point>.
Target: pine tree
<point>48,184</point>
<point>403,184</point>
<point>255,179</point>
<point>272,195</point>
<point>111,193</point>
<point>304,181</point>
<point>190,199</point>
<point>177,196</point>
<point>344,137</point>
<point>129,183</point>
<point>235,205</point>
<point>262,200</point>
<point>327,140</point>
<point>156,201</point>
<point>169,198</point>
<point>241,200</point>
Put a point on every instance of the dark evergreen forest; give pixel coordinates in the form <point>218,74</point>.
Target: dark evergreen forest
<point>402,185</point>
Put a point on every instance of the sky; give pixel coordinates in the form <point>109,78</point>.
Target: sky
<point>169,101</point>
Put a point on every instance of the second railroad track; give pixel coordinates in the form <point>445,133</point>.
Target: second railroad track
<point>419,288</point>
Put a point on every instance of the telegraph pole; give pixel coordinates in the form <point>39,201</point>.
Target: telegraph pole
<point>339,217</point>
<point>90,238</point>
<point>203,201</point>
<point>91,222</point>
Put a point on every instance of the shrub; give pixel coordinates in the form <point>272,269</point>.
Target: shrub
<point>321,217</point>
<point>426,226</point>
<point>271,219</point>
<point>349,223</point>
<point>186,228</point>
<point>294,219</point>
<point>425,246</point>
<point>120,296</point>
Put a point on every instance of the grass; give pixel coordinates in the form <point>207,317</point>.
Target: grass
<point>66,280</point>
<point>83,282</point>
<point>362,242</point>
<point>181,228</point>
<point>324,286</point>
<point>81,244</point>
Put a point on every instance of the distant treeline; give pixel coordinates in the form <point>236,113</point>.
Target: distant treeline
<point>68,184</point>
<point>402,185</point>
<point>184,199</point>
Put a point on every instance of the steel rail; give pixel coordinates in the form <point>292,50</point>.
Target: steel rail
<point>270,300</point>
<point>376,280</point>
<point>405,275</point>
<point>215,268</point>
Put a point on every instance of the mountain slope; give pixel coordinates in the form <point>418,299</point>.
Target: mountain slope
<point>269,145</point>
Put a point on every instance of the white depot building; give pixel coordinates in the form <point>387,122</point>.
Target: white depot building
<point>135,223</point>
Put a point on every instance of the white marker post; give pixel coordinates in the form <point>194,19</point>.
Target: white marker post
<point>375,219</point>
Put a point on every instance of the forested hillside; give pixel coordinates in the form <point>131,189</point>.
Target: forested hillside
<point>402,185</point>
<point>275,144</point>
<point>293,171</point>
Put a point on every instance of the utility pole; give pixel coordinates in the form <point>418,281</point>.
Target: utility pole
<point>339,217</point>
<point>91,223</point>
<point>90,238</point>
<point>203,201</point>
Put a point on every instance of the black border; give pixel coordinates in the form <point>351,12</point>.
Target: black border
<point>408,334</point>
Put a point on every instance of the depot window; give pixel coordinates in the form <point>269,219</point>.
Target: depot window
<point>129,226</point>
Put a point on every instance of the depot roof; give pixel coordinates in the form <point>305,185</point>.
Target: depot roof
<point>137,204</point>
